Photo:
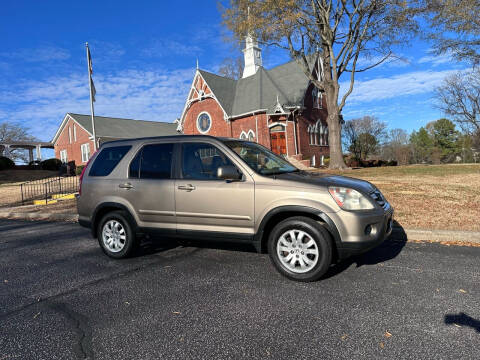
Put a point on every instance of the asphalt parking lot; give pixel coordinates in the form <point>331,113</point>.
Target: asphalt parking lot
<point>61,298</point>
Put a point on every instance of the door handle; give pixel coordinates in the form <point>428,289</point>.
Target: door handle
<point>188,187</point>
<point>125,186</point>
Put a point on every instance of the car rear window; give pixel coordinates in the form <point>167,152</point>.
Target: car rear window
<point>107,160</point>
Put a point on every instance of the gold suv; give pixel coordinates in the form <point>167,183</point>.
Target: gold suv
<point>202,187</point>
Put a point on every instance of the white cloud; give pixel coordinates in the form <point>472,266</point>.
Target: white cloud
<point>148,95</point>
<point>164,48</point>
<point>436,60</point>
<point>411,83</point>
<point>392,61</point>
<point>42,54</point>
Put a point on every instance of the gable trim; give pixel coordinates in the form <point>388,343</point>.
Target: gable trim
<point>189,102</point>
<point>62,126</point>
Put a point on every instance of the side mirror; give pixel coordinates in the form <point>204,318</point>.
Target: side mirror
<point>228,172</point>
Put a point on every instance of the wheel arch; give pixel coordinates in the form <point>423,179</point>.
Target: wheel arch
<point>105,208</point>
<point>281,213</point>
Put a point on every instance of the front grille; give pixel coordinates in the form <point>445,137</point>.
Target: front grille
<point>379,199</point>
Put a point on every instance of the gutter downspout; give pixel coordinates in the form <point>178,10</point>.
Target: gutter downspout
<point>295,132</point>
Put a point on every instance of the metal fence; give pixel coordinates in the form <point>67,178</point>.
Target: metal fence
<point>46,188</point>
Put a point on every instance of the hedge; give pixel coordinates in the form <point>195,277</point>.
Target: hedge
<point>6,163</point>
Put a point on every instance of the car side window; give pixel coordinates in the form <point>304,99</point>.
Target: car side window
<point>154,161</point>
<point>200,161</point>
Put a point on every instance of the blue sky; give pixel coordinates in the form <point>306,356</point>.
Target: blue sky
<point>144,55</point>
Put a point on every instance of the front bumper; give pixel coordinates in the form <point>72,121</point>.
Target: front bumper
<point>355,241</point>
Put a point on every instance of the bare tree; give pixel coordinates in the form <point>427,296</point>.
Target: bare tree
<point>459,97</point>
<point>455,26</point>
<point>231,67</point>
<point>340,31</point>
<point>10,132</point>
<point>362,136</point>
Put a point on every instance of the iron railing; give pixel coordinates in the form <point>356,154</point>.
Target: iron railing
<point>45,188</point>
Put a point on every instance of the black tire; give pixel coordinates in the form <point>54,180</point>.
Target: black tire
<point>130,243</point>
<point>323,247</point>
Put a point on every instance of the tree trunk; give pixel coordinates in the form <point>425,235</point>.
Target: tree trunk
<point>334,134</point>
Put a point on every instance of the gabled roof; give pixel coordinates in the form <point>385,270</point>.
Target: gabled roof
<point>119,128</point>
<point>222,87</point>
<point>259,91</point>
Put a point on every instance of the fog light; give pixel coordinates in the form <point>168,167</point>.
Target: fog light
<point>368,230</point>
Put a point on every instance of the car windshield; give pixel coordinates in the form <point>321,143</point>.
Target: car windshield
<point>260,159</point>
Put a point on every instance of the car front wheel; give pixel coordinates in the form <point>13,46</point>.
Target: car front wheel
<point>300,249</point>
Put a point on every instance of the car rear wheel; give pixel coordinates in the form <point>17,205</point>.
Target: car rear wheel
<point>300,249</point>
<point>115,235</point>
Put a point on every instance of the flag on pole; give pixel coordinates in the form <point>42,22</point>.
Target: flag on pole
<point>90,72</point>
<point>92,95</point>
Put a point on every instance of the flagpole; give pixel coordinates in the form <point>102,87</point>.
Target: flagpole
<point>91,99</point>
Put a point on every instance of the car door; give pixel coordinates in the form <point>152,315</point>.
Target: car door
<point>150,186</point>
<point>210,205</point>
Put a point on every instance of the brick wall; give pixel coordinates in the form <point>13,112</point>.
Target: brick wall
<point>73,148</point>
<point>259,124</point>
<point>219,126</point>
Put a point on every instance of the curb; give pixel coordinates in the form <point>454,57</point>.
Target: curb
<point>36,216</point>
<point>439,236</point>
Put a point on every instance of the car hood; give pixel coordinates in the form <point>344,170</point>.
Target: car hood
<point>326,180</point>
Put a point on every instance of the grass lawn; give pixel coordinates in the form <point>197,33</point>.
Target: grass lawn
<point>11,179</point>
<point>444,197</point>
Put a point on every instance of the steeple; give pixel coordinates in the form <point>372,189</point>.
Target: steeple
<point>252,54</point>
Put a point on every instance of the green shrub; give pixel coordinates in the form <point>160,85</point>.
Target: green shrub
<point>79,169</point>
<point>51,164</point>
<point>326,161</point>
<point>6,163</point>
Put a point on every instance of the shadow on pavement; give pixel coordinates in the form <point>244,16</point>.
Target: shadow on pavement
<point>388,250</point>
<point>463,320</point>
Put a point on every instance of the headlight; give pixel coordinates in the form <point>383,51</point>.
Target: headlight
<point>349,199</point>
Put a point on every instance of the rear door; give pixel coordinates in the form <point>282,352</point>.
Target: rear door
<point>205,203</point>
<point>150,187</point>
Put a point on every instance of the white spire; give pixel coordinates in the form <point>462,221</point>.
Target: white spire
<point>252,54</point>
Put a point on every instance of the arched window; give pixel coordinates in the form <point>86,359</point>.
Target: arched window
<point>251,135</point>
<point>243,135</point>
<point>317,98</point>
<point>321,134</point>
<point>311,131</point>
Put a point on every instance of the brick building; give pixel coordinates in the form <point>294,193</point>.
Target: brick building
<point>74,140</point>
<point>279,108</point>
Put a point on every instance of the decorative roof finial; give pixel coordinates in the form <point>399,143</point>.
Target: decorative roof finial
<point>197,63</point>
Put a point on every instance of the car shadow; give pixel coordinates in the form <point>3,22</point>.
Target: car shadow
<point>388,250</point>
<point>155,245</point>
<point>462,319</point>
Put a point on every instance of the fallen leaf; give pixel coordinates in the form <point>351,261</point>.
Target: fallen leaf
<point>382,345</point>
<point>126,302</point>
<point>35,316</point>
<point>344,337</point>
<point>5,281</point>
<point>387,334</point>
<point>456,325</point>
<point>462,291</point>
<point>176,312</point>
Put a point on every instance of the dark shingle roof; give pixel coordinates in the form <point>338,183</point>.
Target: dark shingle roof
<point>124,128</point>
<point>222,87</point>
<point>260,90</point>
